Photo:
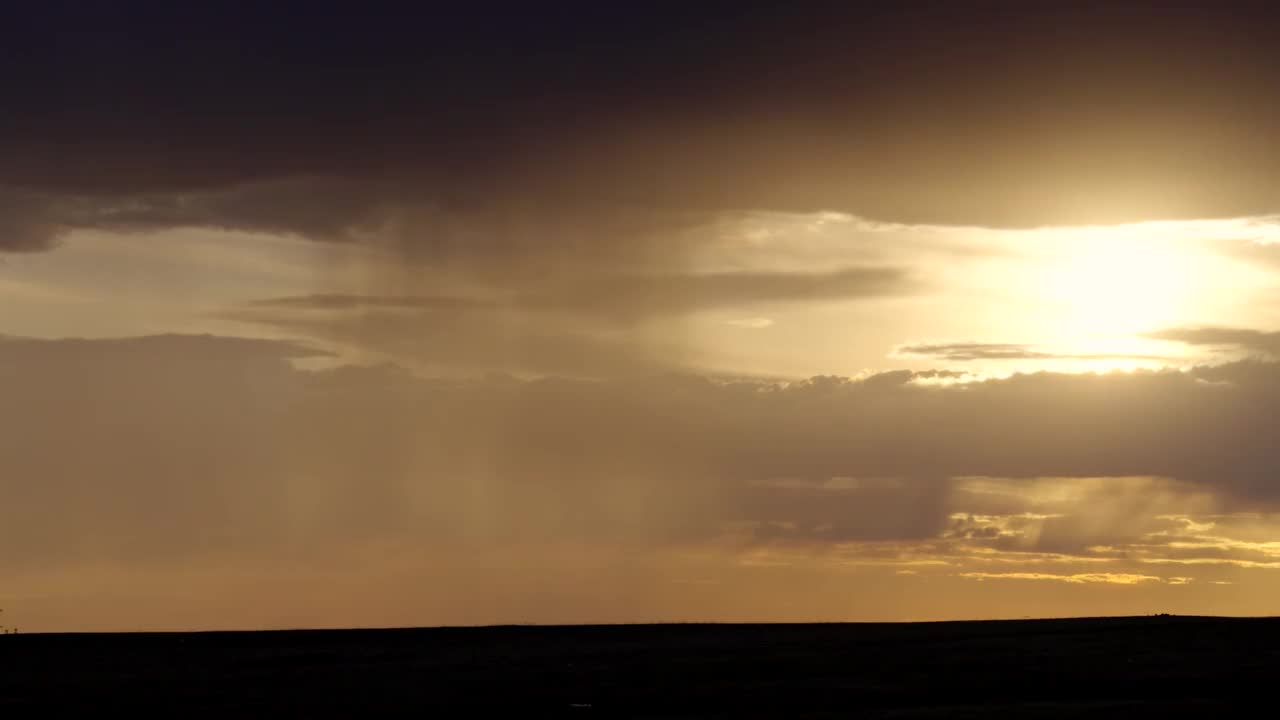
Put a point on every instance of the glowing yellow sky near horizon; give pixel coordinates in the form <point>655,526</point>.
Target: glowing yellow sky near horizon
<point>1174,553</point>
<point>1070,291</point>
<point>1075,291</point>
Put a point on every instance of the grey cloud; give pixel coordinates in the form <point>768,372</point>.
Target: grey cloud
<point>479,340</point>
<point>153,119</point>
<point>339,301</point>
<point>900,377</point>
<point>503,234</point>
<point>205,348</point>
<point>244,453</point>
<point>582,324</point>
<point>28,221</point>
<point>321,208</point>
<point>639,295</point>
<point>972,351</point>
<point>1258,341</point>
<point>968,351</point>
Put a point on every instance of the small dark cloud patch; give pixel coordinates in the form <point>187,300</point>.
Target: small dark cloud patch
<point>147,349</point>
<point>1224,338</point>
<point>338,301</point>
<point>970,351</point>
<point>29,221</point>
<point>639,295</point>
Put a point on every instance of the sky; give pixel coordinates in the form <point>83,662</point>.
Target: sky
<point>411,314</point>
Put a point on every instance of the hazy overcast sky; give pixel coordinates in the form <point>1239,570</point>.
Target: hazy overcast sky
<point>324,314</point>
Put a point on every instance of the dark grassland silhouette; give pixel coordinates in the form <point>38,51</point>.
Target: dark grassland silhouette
<point>1154,666</point>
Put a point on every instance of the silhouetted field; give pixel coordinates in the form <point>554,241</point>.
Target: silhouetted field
<point>1121,667</point>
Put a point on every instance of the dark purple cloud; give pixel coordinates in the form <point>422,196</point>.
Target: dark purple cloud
<point>324,120</point>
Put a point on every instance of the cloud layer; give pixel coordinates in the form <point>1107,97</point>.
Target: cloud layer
<point>920,112</point>
<point>966,351</point>
<point>1259,342</point>
<point>162,453</point>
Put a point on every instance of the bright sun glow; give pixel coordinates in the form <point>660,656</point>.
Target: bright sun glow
<point>1078,298</point>
<point>1122,283</point>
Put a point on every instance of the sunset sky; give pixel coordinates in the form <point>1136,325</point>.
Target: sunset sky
<point>331,314</point>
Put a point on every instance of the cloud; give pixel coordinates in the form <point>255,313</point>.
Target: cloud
<point>503,233</point>
<point>151,347</point>
<point>196,454</point>
<point>318,207</point>
<point>592,324</point>
<point>336,301</point>
<point>1257,341</point>
<point>480,341</point>
<point>813,463</point>
<point>634,108</point>
<point>637,296</point>
<point>546,193</point>
<point>1078,578</point>
<point>756,323</point>
<point>967,351</point>
<point>28,221</point>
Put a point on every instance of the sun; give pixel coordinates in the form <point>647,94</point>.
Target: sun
<point>1122,281</point>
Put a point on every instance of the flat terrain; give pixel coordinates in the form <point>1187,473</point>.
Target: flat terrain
<point>1117,667</point>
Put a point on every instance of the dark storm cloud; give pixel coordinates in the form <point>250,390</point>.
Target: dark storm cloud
<point>994,113</point>
<point>968,351</point>
<point>322,208</point>
<point>1257,341</point>
<point>28,221</point>
<point>162,448</point>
